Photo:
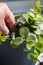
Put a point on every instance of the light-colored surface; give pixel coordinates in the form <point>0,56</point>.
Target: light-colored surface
<point>19,6</point>
<point>37,63</point>
<point>40,57</point>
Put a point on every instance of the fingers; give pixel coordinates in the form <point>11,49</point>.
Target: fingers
<point>4,28</point>
<point>10,19</point>
<point>6,14</point>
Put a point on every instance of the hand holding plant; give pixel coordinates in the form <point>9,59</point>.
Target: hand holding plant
<point>29,31</point>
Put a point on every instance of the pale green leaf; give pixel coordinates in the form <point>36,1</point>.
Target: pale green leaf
<point>4,38</point>
<point>34,26</point>
<point>17,41</point>
<point>41,39</point>
<point>17,16</point>
<point>13,35</point>
<point>12,44</point>
<point>38,31</point>
<point>31,14</point>
<point>39,17</point>
<point>24,32</point>
<point>32,10</point>
<point>26,17</point>
<point>29,45</point>
<point>31,37</point>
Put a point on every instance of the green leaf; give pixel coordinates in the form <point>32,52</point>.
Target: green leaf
<point>31,37</point>
<point>13,35</point>
<point>41,49</point>
<point>38,45</point>
<point>12,44</point>
<point>38,9</point>
<point>32,56</point>
<point>41,32</point>
<point>0,33</point>
<point>17,16</point>
<point>41,39</point>
<point>41,28</point>
<point>31,14</point>
<point>26,17</point>
<point>34,26</point>
<point>38,31</point>
<point>29,45</point>
<point>4,38</point>
<point>24,32</point>
<point>17,41</point>
<point>39,17</point>
<point>37,50</point>
<point>38,4</point>
<point>32,10</point>
<point>25,49</point>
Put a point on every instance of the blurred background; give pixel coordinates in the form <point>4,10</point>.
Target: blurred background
<point>11,56</point>
<point>18,6</point>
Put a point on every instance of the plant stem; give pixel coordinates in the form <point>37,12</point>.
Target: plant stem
<point>32,4</point>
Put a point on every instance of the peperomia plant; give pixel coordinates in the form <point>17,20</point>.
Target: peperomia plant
<point>29,29</point>
<point>3,38</point>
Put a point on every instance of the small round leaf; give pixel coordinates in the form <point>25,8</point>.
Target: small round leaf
<point>24,32</point>
<point>29,45</point>
<point>31,37</point>
<point>26,17</point>
<point>12,44</point>
<point>17,41</point>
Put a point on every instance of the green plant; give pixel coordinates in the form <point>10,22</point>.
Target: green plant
<point>28,30</point>
<point>3,38</point>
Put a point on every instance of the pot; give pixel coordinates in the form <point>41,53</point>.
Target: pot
<point>13,56</point>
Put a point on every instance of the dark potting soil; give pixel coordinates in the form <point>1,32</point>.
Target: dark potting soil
<point>41,63</point>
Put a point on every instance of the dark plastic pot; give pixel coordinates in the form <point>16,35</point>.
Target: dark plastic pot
<point>12,56</point>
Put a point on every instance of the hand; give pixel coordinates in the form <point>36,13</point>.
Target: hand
<point>7,20</point>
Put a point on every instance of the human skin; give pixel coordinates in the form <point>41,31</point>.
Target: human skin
<point>7,20</point>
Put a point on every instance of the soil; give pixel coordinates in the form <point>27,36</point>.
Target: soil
<point>41,63</point>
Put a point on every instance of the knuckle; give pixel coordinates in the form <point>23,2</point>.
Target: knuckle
<point>5,4</point>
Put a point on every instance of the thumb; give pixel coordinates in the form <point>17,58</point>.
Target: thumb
<point>4,28</point>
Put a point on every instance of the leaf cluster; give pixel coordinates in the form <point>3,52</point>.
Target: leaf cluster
<point>29,30</point>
